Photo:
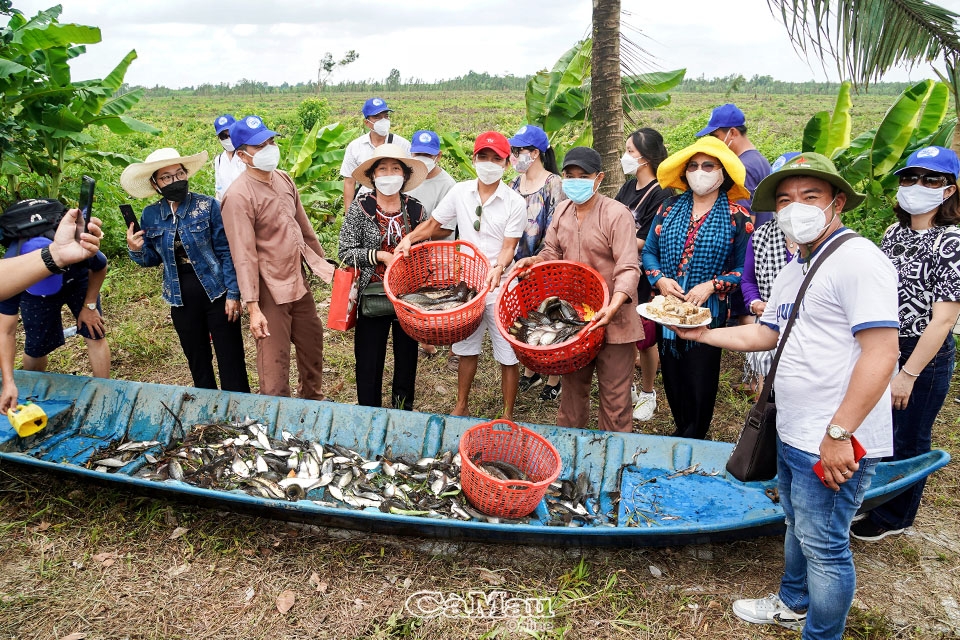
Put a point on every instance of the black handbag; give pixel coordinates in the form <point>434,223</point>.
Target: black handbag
<point>755,455</point>
<point>374,302</point>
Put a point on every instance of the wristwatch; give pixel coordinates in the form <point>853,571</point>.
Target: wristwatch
<point>837,432</point>
<point>91,305</point>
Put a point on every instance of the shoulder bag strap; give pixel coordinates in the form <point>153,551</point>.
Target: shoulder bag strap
<point>768,380</point>
<point>644,197</point>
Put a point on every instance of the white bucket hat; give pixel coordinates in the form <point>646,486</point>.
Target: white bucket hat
<point>388,150</point>
<point>135,179</point>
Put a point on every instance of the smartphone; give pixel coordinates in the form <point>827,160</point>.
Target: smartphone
<point>128,217</point>
<point>858,452</point>
<point>87,185</point>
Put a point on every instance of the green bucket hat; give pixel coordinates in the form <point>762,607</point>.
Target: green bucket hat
<point>805,164</point>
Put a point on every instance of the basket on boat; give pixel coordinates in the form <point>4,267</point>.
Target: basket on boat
<point>505,441</point>
<point>572,281</point>
<point>438,264</point>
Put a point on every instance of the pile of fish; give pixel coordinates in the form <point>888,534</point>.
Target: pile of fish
<point>553,322</point>
<point>441,298</point>
<point>243,456</point>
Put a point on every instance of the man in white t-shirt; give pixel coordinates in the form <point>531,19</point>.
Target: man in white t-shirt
<point>491,216</point>
<point>376,118</point>
<point>833,380</point>
<point>226,166</point>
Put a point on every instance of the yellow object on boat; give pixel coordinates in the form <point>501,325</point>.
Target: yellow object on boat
<point>27,419</point>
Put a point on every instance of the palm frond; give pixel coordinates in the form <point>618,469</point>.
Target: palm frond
<point>867,38</point>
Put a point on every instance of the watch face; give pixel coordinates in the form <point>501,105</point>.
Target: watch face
<point>837,433</point>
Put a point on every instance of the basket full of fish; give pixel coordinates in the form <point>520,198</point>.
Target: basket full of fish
<point>545,311</point>
<point>506,469</point>
<point>439,290</point>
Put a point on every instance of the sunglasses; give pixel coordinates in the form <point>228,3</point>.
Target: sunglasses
<point>224,135</point>
<point>706,166</point>
<point>479,212</point>
<point>927,180</point>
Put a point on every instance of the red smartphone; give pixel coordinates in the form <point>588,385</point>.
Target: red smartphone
<point>858,452</point>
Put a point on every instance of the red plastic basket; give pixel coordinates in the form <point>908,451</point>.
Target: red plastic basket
<point>505,441</point>
<point>438,264</point>
<point>575,282</point>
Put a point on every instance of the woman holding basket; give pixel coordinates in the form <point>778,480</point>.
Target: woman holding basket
<point>375,223</point>
<point>599,232</point>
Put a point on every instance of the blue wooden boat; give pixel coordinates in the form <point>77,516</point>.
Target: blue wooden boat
<point>672,491</point>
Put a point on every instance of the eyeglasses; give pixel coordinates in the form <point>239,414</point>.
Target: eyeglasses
<point>706,166</point>
<point>169,178</point>
<point>927,180</point>
<point>516,151</point>
<point>479,212</point>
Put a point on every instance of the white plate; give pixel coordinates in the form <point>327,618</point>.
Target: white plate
<point>642,310</point>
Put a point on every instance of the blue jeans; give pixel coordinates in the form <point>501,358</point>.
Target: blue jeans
<point>912,428</point>
<point>818,573</point>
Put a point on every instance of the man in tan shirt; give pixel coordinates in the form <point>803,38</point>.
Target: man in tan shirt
<point>599,232</point>
<point>270,238</point>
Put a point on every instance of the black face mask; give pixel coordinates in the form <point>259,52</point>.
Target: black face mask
<point>176,191</point>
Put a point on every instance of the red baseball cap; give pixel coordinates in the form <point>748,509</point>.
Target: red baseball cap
<point>494,141</point>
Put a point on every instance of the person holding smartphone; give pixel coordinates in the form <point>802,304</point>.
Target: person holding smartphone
<point>833,380</point>
<point>183,232</point>
<point>75,285</point>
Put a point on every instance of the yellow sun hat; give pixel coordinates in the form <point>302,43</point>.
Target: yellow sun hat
<point>671,171</point>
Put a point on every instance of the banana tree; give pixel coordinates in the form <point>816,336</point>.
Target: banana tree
<point>558,100</point>
<point>916,119</point>
<point>313,160</point>
<point>40,96</point>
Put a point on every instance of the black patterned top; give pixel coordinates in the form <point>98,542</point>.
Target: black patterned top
<point>928,265</point>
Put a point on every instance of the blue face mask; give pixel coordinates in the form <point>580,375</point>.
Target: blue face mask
<point>578,189</point>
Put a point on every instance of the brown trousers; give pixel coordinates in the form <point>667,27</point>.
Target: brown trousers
<point>614,365</point>
<point>297,323</point>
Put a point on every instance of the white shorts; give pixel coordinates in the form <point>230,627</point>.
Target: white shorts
<point>502,351</point>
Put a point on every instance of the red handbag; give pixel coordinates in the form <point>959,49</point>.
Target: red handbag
<point>342,314</point>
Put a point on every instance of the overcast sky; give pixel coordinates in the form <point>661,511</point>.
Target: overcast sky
<point>190,42</point>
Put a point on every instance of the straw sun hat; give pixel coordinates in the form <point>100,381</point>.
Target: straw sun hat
<point>135,179</point>
<point>675,166</point>
<point>387,150</point>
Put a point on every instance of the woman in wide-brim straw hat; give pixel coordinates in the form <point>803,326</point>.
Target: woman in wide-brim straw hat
<point>372,228</point>
<point>695,251</point>
<point>183,233</point>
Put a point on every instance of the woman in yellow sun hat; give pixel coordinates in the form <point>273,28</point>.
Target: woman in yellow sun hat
<point>695,251</point>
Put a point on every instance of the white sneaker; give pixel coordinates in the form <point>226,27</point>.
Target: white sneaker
<point>769,610</point>
<point>644,405</point>
<point>635,397</point>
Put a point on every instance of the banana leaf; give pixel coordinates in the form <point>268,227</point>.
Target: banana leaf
<point>451,147</point>
<point>897,127</point>
<point>838,134</point>
<point>814,134</point>
<point>934,111</point>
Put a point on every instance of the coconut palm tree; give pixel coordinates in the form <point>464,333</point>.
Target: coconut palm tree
<point>867,38</point>
<point>605,97</point>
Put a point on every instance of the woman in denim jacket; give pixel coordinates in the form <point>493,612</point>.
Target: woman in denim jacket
<point>183,232</point>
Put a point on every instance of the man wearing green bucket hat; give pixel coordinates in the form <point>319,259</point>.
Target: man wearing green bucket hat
<point>833,379</point>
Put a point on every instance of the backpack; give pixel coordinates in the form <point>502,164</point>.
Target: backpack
<point>29,219</point>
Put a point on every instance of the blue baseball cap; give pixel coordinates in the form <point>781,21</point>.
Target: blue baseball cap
<point>223,122</point>
<point>250,130</point>
<point>373,106</point>
<point>784,159</point>
<point>723,117</point>
<point>937,159</point>
<point>425,141</point>
<point>49,285</point>
<point>530,135</point>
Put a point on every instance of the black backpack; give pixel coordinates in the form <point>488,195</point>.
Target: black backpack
<point>29,219</point>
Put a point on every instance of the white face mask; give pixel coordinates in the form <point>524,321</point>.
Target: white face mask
<point>267,159</point>
<point>918,199</point>
<point>488,172</point>
<point>388,185</point>
<point>382,127</point>
<point>428,161</point>
<point>522,162</point>
<point>702,182</point>
<point>803,223</point>
<point>227,145</point>
<point>629,164</point>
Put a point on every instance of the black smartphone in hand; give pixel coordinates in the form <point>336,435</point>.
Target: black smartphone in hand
<point>87,186</point>
<point>128,217</point>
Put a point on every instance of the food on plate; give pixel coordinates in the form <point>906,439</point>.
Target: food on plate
<point>672,310</point>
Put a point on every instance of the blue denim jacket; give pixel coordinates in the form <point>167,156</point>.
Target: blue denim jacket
<point>201,232</point>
